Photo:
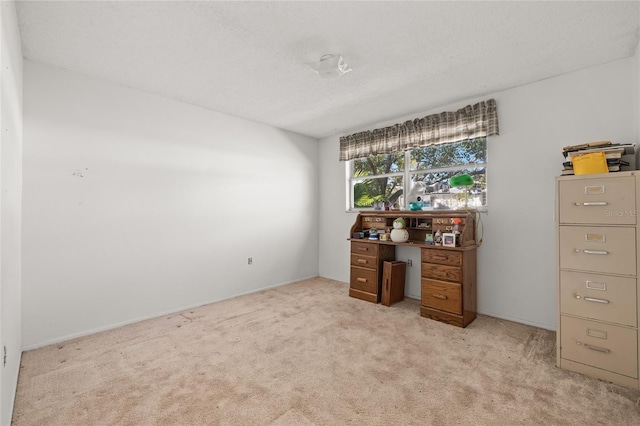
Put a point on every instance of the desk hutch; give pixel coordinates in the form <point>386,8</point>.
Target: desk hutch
<point>448,274</point>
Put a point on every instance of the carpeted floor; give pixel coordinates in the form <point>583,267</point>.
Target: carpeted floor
<point>307,354</point>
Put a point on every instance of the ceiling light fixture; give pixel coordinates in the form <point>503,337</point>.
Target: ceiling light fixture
<point>330,66</point>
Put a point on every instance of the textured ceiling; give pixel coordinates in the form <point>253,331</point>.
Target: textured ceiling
<point>247,58</point>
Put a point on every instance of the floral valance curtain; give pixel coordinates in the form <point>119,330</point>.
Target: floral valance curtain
<point>470,122</point>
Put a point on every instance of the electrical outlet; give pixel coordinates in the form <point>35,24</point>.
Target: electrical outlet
<point>410,262</point>
<point>250,261</point>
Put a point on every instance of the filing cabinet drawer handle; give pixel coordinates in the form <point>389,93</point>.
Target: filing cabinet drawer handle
<point>362,260</point>
<point>596,348</point>
<point>440,296</point>
<point>363,248</point>
<point>592,299</point>
<point>600,252</point>
<point>592,203</point>
<point>362,280</point>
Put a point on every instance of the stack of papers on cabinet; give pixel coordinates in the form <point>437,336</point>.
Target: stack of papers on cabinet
<point>593,151</point>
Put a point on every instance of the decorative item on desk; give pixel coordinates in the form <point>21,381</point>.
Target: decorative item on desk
<point>426,202</point>
<point>449,239</point>
<point>415,206</point>
<point>428,239</point>
<point>399,234</point>
<point>456,231</point>
<point>373,234</point>
<point>415,195</point>
<point>465,181</point>
<point>437,238</point>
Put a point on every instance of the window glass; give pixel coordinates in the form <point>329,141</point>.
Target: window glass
<point>438,192</point>
<point>450,154</point>
<point>378,164</point>
<point>386,189</point>
<point>384,178</point>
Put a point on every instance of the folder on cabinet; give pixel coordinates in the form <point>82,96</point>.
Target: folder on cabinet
<point>591,163</point>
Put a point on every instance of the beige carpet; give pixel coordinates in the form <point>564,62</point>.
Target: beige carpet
<point>307,354</point>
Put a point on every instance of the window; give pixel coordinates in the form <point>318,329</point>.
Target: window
<point>388,177</point>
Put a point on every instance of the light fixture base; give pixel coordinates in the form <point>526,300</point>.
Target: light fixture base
<point>329,65</point>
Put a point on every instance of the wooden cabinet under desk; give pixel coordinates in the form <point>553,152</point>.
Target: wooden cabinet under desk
<point>448,274</point>
<point>448,290</point>
<point>366,269</point>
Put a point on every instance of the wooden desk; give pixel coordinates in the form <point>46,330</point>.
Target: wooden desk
<point>448,274</point>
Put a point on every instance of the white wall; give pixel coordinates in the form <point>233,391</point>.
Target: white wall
<point>516,262</point>
<point>10,204</point>
<point>136,205</point>
<point>636,91</point>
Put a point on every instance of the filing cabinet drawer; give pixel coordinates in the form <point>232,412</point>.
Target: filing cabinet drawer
<point>364,279</point>
<point>603,201</point>
<point>442,295</point>
<point>370,249</point>
<point>442,257</point>
<point>598,249</point>
<point>442,272</point>
<point>364,261</point>
<point>605,346</point>
<point>600,297</point>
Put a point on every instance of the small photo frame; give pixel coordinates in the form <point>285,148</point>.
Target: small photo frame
<point>449,240</point>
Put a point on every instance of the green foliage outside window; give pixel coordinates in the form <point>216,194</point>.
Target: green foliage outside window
<point>383,177</point>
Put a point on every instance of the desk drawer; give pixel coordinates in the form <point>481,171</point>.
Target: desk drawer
<point>364,279</point>
<point>370,249</point>
<point>364,261</point>
<point>600,297</point>
<point>600,345</point>
<point>442,257</point>
<point>442,272</point>
<point>442,295</point>
<point>374,222</point>
<point>607,201</point>
<point>598,249</point>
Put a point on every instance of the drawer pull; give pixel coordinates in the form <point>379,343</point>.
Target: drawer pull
<point>596,348</point>
<point>363,248</point>
<point>600,252</point>
<point>592,299</point>
<point>592,203</point>
<point>362,280</point>
<point>440,296</point>
<point>361,260</point>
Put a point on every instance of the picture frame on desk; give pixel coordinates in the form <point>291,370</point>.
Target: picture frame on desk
<point>449,239</point>
<point>428,239</point>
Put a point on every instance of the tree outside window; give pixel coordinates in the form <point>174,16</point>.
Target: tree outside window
<point>385,178</point>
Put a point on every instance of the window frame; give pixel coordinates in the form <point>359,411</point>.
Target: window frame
<point>407,174</point>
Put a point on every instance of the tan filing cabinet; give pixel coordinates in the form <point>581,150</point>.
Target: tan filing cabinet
<point>598,298</point>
